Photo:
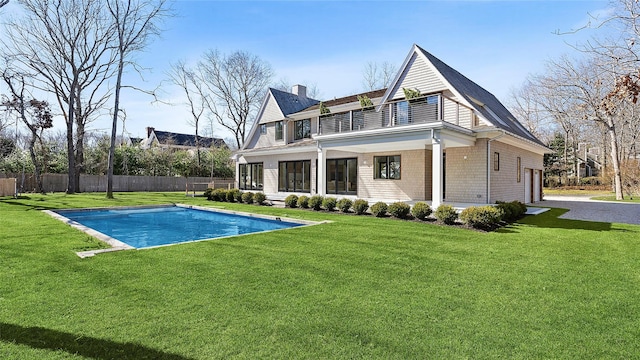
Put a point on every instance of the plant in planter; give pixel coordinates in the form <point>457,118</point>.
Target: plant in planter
<point>412,95</point>
<point>365,102</point>
<point>324,110</point>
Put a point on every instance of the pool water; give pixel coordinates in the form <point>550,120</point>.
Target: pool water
<point>149,227</point>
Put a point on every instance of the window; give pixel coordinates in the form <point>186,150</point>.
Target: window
<point>294,176</point>
<point>279,130</point>
<point>263,129</point>
<point>402,113</point>
<point>386,167</point>
<point>251,176</point>
<point>496,161</point>
<point>342,176</point>
<point>519,172</point>
<point>302,129</point>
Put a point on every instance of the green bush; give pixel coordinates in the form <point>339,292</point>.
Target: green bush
<point>511,211</point>
<point>315,202</point>
<point>481,217</point>
<point>344,205</point>
<point>399,210</point>
<point>379,209</point>
<point>247,197</point>
<point>421,210</point>
<point>218,195</point>
<point>234,195</point>
<point>291,201</point>
<point>207,193</point>
<point>446,214</point>
<point>259,198</point>
<point>303,202</point>
<point>360,206</point>
<point>329,203</point>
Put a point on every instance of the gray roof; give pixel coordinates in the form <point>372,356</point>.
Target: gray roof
<point>291,103</point>
<point>171,138</point>
<point>493,110</point>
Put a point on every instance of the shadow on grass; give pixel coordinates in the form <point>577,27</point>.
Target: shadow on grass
<point>25,205</point>
<point>41,338</point>
<point>551,220</point>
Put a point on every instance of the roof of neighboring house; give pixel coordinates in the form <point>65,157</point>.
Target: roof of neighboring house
<point>171,138</point>
<point>481,100</point>
<point>135,140</point>
<point>349,99</point>
<point>291,103</point>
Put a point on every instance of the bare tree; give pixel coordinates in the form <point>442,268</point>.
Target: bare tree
<point>34,114</point>
<point>185,78</point>
<point>378,76</point>
<point>234,86</point>
<point>67,44</point>
<point>135,22</point>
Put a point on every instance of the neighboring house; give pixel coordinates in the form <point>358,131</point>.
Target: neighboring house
<point>456,143</point>
<point>170,140</point>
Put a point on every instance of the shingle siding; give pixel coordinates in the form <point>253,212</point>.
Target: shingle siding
<point>465,179</point>
<point>504,183</point>
<point>410,186</point>
<point>420,77</point>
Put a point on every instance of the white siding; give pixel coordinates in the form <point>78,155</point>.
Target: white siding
<point>271,111</point>
<point>418,76</point>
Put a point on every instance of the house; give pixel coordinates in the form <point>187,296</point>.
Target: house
<point>171,140</point>
<point>453,142</point>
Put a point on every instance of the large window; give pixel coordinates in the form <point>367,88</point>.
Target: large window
<point>251,176</point>
<point>342,176</point>
<point>294,176</point>
<point>279,131</point>
<point>302,129</point>
<point>386,167</point>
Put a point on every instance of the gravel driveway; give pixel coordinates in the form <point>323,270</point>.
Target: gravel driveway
<point>582,208</point>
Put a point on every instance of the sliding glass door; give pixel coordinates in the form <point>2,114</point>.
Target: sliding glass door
<point>342,176</point>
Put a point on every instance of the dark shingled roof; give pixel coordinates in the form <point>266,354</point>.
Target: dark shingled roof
<point>492,106</point>
<point>170,138</point>
<point>291,103</point>
<point>349,99</point>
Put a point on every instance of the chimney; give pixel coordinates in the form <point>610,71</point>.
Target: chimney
<point>299,90</point>
<point>149,131</point>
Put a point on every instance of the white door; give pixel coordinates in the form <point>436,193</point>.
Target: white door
<point>536,186</point>
<point>527,186</point>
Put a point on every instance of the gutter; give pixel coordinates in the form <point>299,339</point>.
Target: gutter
<point>504,133</point>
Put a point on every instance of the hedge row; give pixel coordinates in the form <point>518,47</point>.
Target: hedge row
<point>235,195</point>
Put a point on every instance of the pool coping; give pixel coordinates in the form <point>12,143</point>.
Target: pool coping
<point>117,245</point>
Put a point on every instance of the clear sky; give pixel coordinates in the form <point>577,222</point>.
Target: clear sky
<point>494,43</point>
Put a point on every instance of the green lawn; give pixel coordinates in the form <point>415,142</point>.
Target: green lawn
<point>359,287</point>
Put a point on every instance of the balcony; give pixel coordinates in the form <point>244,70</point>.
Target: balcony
<point>398,113</point>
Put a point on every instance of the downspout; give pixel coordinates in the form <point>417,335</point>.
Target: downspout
<point>489,164</point>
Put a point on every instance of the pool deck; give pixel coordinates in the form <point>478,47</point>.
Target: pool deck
<point>117,245</point>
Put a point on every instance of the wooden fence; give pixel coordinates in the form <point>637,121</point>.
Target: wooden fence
<point>8,187</point>
<point>121,183</point>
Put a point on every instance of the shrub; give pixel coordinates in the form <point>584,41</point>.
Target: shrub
<point>259,198</point>
<point>329,203</point>
<point>511,211</point>
<point>360,206</point>
<point>234,195</point>
<point>315,202</point>
<point>344,205</point>
<point>247,197</point>
<point>481,217</point>
<point>379,209</point>
<point>421,210</point>
<point>399,210</point>
<point>291,201</point>
<point>207,193</point>
<point>303,202</point>
<point>446,214</point>
<point>219,195</point>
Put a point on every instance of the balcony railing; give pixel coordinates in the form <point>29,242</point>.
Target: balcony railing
<point>399,113</point>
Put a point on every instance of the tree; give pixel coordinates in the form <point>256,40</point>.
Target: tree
<point>68,45</point>
<point>378,76</point>
<point>136,22</point>
<point>34,114</point>
<point>233,86</point>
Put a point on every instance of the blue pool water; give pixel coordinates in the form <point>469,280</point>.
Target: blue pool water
<point>148,227</point>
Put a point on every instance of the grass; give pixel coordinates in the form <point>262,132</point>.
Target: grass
<point>359,287</point>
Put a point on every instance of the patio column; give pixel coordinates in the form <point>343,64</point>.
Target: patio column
<point>436,175</point>
<point>321,172</point>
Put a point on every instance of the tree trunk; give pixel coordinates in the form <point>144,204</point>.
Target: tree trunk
<point>114,129</point>
<point>36,165</point>
<point>71,171</point>
<point>615,160</point>
<point>79,154</point>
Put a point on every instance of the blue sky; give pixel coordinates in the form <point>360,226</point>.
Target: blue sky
<point>494,43</point>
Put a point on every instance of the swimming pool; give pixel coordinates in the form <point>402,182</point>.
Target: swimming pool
<point>145,227</point>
